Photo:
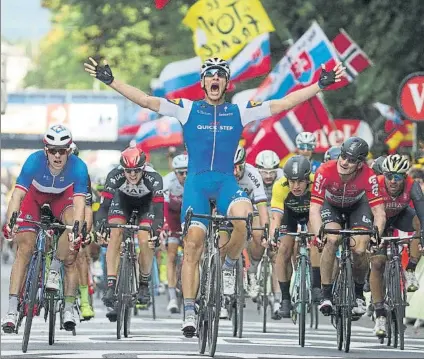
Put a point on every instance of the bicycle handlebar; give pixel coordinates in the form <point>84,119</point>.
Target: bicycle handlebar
<point>217,219</point>
<point>352,232</point>
<point>397,239</point>
<point>128,226</point>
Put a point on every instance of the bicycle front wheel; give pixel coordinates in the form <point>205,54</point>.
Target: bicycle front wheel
<point>347,298</point>
<point>397,283</point>
<point>214,305</point>
<point>303,298</point>
<point>265,300</point>
<point>202,320</point>
<point>240,296</point>
<point>123,289</point>
<point>32,286</point>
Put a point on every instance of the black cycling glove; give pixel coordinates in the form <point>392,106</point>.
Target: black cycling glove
<point>326,78</point>
<point>104,74</point>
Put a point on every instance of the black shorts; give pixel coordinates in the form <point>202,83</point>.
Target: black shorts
<point>122,206</point>
<point>358,215</point>
<point>292,219</point>
<point>402,221</point>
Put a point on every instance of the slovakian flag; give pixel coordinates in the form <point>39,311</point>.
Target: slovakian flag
<point>352,56</point>
<point>163,132</point>
<point>300,67</point>
<point>160,4</point>
<point>278,133</point>
<point>181,79</point>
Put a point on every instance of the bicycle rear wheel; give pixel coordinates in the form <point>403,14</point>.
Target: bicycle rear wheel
<point>347,304</point>
<point>122,291</point>
<point>303,298</point>
<point>32,286</point>
<point>214,302</point>
<point>265,300</point>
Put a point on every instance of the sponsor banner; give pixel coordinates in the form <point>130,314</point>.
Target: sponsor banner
<point>24,119</point>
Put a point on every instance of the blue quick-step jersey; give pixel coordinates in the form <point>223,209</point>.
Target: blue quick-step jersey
<point>212,133</point>
<point>35,171</point>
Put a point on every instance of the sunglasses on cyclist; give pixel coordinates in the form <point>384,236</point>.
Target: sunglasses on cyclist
<point>349,159</point>
<point>268,172</point>
<point>212,72</point>
<point>61,151</point>
<point>181,173</point>
<point>306,147</point>
<point>396,176</point>
<point>135,170</point>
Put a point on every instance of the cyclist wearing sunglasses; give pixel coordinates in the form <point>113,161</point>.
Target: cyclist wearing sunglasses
<point>306,142</point>
<point>346,185</point>
<point>291,197</point>
<point>131,185</point>
<point>398,190</point>
<point>212,129</point>
<point>173,190</point>
<point>56,177</point>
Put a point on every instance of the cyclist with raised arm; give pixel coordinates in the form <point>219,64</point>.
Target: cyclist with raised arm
<point>306,142</point>
<point>212,129</point>
<point>398,190</point>
<point>57,177</point>
<point>346,185</point>
<point>173,189</point>
<point>291,197</point>
<point>130,186</point>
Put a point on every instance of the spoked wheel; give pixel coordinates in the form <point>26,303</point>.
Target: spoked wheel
<point>33,285</point>
<point>202,321</point>
<point>303,298</point>
<point>52,317</point>
<point>265,300</point>
<point>122,290</point>
<point>347,307</point>
<point>214,303</point>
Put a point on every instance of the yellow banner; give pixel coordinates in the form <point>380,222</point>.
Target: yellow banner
<point>221,28</point>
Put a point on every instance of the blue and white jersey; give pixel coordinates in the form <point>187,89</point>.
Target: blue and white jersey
<point>212,133</point>
<point>36,172</point>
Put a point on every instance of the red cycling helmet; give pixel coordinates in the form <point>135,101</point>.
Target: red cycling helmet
<point>132,157</point>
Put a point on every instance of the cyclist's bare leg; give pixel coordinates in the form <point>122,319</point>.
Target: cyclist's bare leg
<point>113,248</point>
<point>82,267</point>
<point>414,258</point>
<point>255,248</point>
<point>193,249</point>
<point>284,268</point>
<point>360,263</point>
<point>26,243</point>
<point>328,257</point>
<point>171,266</point>
<point>145,258</point>
<point>315,258</point>
<point>238,236</point>
<point>378,262</point>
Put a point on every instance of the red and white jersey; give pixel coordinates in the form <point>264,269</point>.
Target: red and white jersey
<point>329,186</point>
<point>173,192</point>
<point>394,205</point>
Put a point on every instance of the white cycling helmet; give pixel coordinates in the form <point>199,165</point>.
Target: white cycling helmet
<point>306,138</point>
<point>215,63</point>
<point>180,162</point>
<point>58,136</point>
<point>267,160</point>
<point>240,156</point>
<point>396,164</point>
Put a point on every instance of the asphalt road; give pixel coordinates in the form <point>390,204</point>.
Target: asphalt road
<point>162,338</point>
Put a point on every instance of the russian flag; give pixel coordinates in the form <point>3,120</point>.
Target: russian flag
<point>253,61</point>
<point>181,79</point>
<point>163,132</point>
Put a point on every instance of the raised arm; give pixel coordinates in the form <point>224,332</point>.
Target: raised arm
<point>104,74</point>
<point>327,78</point>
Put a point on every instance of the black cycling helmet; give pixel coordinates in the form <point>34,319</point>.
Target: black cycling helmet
<point>332,153</point>
<point>297,168</point>
<point>355,148</point>
<point>377,165</point>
